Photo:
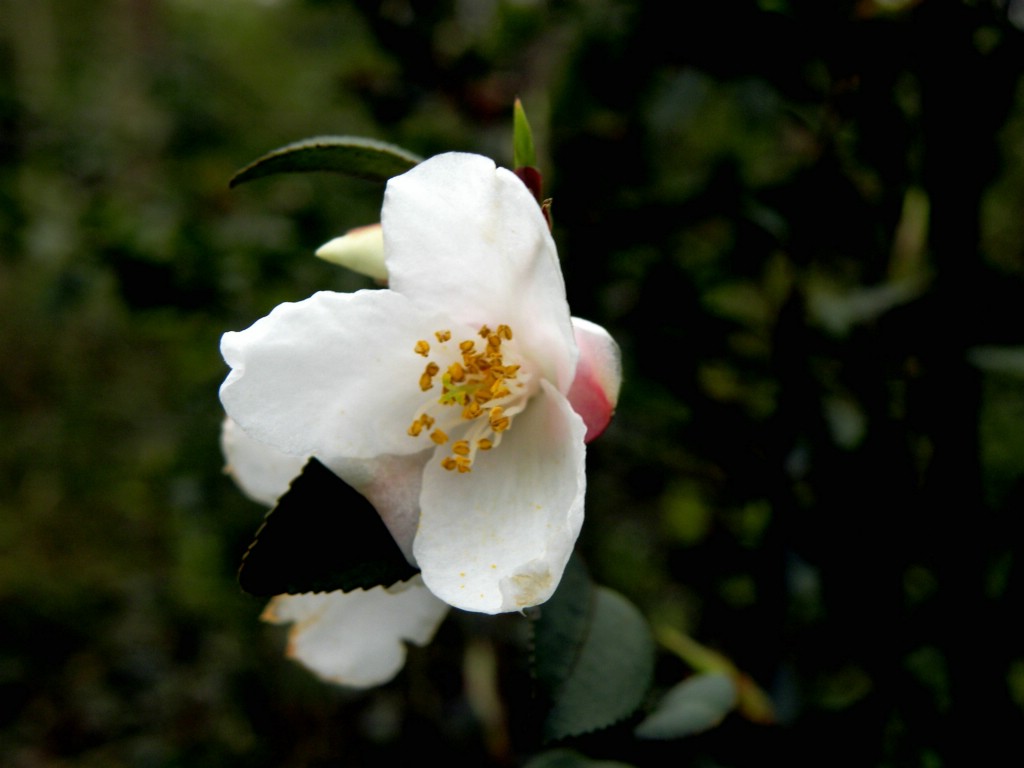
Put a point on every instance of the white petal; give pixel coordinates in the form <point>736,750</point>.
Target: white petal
<point>263,473</point>
<point>334,375</point>
<point>469,239</point>
<point>497,538</point>
<point>356,638</point>
<point>360,249</point>
<point>595,389</point>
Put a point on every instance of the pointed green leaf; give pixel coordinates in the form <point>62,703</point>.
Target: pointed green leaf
<point>522,138</point>
<point>349,155</point>
<point>697,704</point>
<point>323,535</point>
<point>593,656</point>
<point>567,758</point>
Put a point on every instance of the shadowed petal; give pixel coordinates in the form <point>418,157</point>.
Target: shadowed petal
<point>263,473</point>
<point>390,483</point>
<point>356,638</point>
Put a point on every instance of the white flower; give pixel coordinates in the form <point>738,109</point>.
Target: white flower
<point>451,399</point>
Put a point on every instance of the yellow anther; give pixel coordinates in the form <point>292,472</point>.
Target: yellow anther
<point>461,447</point>
<point>466,346</point>
<point>439,437</point>
<point>484,444</point>
<point>505,332</point>
<point>498,421</point>
<point>510,371</point>
<point>456,372</point>
<point>415,428</point>
<point>484,331</point>
<point>448,462</point>
<point>472,410</point>
<point>494,340</point>
<point>463,464</point>
<point>422,348</point>
<point>426,380</point>
<point>427,421</point>
<point>443,336</point>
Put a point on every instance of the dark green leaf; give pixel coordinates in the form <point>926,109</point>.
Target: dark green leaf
<point>567,758</point>
<point>350,155</point>
<point>323,535</point>
<point>693,706</point>
<point>560,631</point>
<point>522,138</point>
<point>593,656</point>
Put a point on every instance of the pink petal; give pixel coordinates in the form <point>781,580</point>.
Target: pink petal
<point>595,390</point>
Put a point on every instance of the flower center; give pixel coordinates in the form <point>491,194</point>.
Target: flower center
<point>481,392</point>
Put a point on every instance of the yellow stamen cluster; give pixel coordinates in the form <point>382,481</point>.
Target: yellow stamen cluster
<point>475,384</point>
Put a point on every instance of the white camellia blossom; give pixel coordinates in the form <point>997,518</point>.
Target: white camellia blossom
<point>452,399</point>
<point>349,638</point>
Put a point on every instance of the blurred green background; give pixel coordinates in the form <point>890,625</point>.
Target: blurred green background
<point>803,221</point>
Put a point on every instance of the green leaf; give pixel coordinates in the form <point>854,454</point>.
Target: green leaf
<point>350,155</point>
<point>753,703</point>
<point>993,359</point>
<point>567,758</point>
<point>697,704</point>
<point>323,535</point>
<point>593,656</point>
<point>524,154</point>
<point>561,629</point>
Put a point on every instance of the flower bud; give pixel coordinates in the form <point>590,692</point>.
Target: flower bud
<point>360,249</point>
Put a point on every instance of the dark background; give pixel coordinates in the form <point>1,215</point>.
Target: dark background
<point>803,222</point>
